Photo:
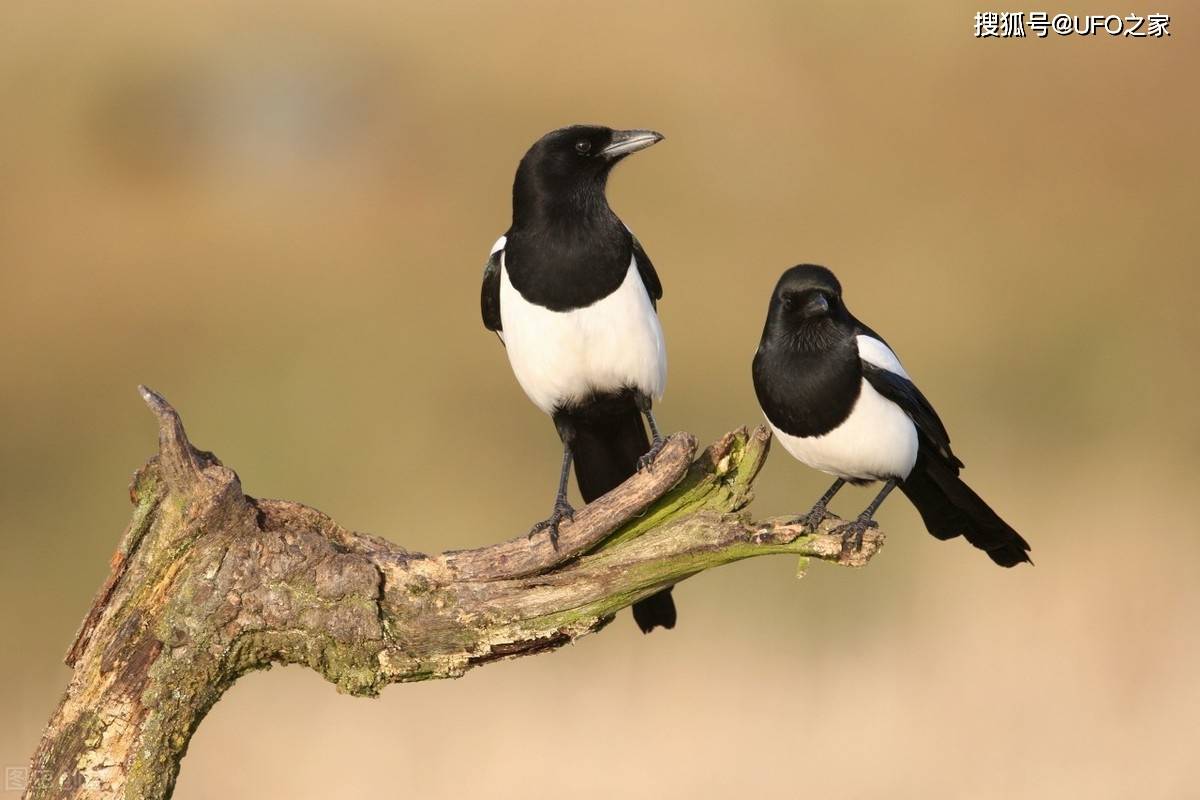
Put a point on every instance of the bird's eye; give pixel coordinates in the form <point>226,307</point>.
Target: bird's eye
<point>583,147</point>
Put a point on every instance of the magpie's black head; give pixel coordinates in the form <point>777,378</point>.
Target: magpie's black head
<point>806,308</point>
<point>567,169</point>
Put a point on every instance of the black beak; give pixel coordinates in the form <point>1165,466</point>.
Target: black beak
<point>625,142</point>
<point>816,306</point>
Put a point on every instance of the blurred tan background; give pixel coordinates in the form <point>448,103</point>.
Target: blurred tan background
<point>277,215</point>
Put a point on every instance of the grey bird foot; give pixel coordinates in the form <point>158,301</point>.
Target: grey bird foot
<point>813,519</point>
<point>647,461</point>
<point>562,510</point>
<point>852,534</point>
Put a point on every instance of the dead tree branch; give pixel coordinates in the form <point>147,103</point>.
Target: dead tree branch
<point>208,584</point>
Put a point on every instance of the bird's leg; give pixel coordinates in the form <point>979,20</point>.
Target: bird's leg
<point>852,533</point>
<point>562,509</point>
<point>656,439</point>
<point>818,512</point>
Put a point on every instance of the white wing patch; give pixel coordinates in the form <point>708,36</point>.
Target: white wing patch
<point>560,357</point>
<point>878,354</point>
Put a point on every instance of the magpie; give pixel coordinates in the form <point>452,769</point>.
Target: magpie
<point>839,401</point>
<point>573,297</point>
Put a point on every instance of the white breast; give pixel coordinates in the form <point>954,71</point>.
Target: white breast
<point>560,357</point>
<point>876,442</point>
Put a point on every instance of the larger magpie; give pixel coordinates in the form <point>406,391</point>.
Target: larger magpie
<point>572,295</point>
<point>839,400</point>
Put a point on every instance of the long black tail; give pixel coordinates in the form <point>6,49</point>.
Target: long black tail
<point>609,440</point>
<point>950,508</point>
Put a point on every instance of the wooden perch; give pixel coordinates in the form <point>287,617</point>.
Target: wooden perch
<point>208,584</point>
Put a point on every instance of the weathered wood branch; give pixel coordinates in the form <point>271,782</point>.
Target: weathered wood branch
<point>208,584</point>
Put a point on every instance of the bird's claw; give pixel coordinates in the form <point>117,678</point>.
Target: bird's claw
<point>813,519</point>
<point>852,534</point>
<point>647,461</point>
<point>562,511</point>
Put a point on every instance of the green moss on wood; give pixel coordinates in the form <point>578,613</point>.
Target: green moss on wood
<point>723,486</point>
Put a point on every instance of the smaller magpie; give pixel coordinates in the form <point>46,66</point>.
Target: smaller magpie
<point>839,401</point>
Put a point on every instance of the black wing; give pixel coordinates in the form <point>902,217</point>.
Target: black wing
<point>646,270</point>
<point>904,393</point>
<point>489,301</point>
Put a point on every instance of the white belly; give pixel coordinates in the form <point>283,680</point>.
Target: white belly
<point>560,357</point>
<point>876,442</point>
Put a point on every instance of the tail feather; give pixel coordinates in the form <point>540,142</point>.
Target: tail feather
<point>609,440</point>
<point>950,508</point>
<point>657,609</point>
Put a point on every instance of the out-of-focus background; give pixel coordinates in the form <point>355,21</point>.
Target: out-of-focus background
<point>277,215</point>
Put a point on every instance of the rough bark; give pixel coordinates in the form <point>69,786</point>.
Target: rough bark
<point>208,584</point>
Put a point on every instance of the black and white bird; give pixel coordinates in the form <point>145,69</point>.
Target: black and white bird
<point>839,401</point>
<point>573,295</point>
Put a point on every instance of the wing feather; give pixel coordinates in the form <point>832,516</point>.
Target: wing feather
<point>489,300</point>
<point>646,271</point>
<point>879,371</point>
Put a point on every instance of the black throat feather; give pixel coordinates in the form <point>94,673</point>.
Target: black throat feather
<point>566,248</point>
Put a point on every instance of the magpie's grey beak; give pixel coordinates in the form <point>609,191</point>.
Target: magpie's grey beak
<point>816,306</point>
<point>625,142</point>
